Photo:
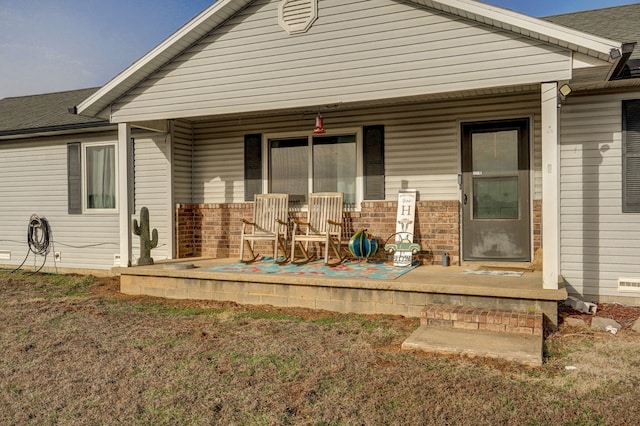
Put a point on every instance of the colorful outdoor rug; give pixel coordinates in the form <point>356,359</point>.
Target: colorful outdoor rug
<point>377,270</point>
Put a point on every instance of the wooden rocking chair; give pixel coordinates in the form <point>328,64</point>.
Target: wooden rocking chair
<point>269,223</point>
<point>324,225</point>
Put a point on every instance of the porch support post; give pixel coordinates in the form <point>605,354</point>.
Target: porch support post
<point>550,185</point>
<point>171,208</point>
<point>124,197</point>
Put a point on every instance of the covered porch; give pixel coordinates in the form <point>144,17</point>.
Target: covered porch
<point>473,129</point>
<point>406,295</point>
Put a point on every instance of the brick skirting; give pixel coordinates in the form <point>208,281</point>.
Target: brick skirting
<point>470,318</point>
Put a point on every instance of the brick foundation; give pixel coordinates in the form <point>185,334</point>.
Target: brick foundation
<point>537,224</point>
<point>213,230</point>
<point>471,318</point>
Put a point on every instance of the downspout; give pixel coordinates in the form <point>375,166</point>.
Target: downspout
<point>621,71</point>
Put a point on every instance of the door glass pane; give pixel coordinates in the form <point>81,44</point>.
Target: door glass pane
<point>334,165</point>
<point>495,152</point>
<point>289,168</point>
<point>495,198</point>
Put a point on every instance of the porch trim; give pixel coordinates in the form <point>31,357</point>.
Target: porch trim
<point>550,186</point>
<point>124,146</point>
<point>170,213</point>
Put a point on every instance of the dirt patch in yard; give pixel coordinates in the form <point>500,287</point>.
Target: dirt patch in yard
<point>76,351</point>
<point>622,314</point>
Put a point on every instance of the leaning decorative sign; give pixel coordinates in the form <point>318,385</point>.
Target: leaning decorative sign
<point>404,248</point>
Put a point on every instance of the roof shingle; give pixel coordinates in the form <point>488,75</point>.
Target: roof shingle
<point>41,112</point>
<point>620,23</point>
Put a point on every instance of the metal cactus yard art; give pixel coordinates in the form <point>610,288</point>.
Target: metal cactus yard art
<point>148,240</point>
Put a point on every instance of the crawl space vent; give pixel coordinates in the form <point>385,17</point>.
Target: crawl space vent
<point>296,16</point>
<point>629,284</point>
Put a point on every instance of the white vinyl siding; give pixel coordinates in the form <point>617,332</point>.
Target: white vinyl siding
<point>33,180</point>
<point>357,51</point>
<point>182,161</point>
<point>421,144</point>
<point>599,243</point>
<point>152,190</point>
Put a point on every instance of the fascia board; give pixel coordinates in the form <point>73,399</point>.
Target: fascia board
<point>184,37</point>
<point>519,23</point>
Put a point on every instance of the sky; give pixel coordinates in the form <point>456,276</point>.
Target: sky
<point>56,45</point>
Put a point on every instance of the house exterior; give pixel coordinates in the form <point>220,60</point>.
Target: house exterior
<point>44,151</point>
<point>518,134</point>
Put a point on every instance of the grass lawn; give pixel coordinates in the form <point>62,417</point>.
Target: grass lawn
<point>75,351</point>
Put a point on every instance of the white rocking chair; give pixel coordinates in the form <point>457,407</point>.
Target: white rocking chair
<point>323,225</point>
<point>270,213</point>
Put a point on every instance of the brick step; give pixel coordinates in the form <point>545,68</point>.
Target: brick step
<point>472,318</point>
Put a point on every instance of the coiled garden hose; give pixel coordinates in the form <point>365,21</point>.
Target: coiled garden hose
<point>38,238</point>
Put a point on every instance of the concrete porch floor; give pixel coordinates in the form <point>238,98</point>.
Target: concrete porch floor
<point>406,295</point>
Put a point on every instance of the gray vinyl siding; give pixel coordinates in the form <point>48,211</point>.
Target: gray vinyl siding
<point>357,51</point>
<point>422,144</point>
<point>599,243</point>
<point>182,161</point>
<point>33,180</point>
<point>152,189</point>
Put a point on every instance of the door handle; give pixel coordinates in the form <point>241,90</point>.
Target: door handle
<point>464,199</point>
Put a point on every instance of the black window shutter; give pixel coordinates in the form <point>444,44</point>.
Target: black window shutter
<point>631,156</point>
<point>74,178</point>
<point>252,166</point>
<point>373,162</point>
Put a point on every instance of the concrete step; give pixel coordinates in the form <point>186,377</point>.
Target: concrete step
<point>510,335</point>
<point>512,347</point>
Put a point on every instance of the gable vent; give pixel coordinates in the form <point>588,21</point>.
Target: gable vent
<point>629,284</point>
<point>297,16</point>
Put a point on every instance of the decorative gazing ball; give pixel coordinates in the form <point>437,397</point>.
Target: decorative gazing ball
<point>363,244</point>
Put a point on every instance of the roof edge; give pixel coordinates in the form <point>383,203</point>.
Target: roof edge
<point>34,131</point>
<point>538,28</point>
<point>85,107</point>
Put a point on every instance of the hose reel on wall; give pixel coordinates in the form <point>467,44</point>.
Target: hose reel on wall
<point>38,239</point>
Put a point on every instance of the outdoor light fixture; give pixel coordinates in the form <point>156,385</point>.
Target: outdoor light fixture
<point>319,125</point>
<point>565,90</point>
<point>614,53</point>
